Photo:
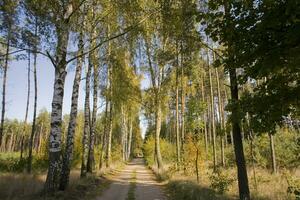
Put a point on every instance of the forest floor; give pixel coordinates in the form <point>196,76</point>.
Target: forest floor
<point>134,182</point>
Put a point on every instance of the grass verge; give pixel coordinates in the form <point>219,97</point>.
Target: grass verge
<point>30,187</point>
<point>87,188</point>
<point>189,190</point>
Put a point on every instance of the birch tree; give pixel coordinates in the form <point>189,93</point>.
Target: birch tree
<point>60,16</point>
<point>87,120</point>
<point>67,158</point>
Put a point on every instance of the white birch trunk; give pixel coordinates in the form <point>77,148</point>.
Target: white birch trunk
<point>67,159</point>
<point>51,185</point>
<point>86,130</point>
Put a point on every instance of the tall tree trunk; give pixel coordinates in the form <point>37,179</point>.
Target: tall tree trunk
<point>27,106</point>
<point>204,115</point>
<point>157,135</point>
<point>157,90</point>
<point>103,140</point>
<point>109,99</point>
<point>55,132</point>
<point>33,127</point>
<point>221,118</point>
<point>273,155</point>
<point>244,192</point>
<point>212,110</point>
<point>231,135</point>
<point>105,132</point>
<point>129,139</point>
<point>4,87</point>
<point>252,157</point>
<point>182,112</point>
<point>85,138</point>
<point>67,158</point>
<point>223,121</point>
<point>91,158</point>
<point>109,138</point>
<point>177,122</point>
<point>124,133</point>
<point>196,164</point>
<point>54,168</point>
<point>209,120</point>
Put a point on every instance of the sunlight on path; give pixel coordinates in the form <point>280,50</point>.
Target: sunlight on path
<point>147,188</point>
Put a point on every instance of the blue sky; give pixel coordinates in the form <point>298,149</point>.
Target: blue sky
<point>17,89</point>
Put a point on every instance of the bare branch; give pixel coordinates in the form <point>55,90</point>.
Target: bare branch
<point>13,52</point>
<point>50,57</point>
<point>21,49</point>
<point>213,50</point>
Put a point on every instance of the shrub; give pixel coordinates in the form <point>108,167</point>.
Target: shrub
<point>40,163</point>
<point>220,181</point>
<point>11,162</point>
<point>190,153</point>
<point>187,190</point>
<point>293,186</point>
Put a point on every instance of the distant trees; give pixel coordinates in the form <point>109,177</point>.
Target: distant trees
<point>8,12</point>
<point>185,100</point>
<point>18,135</point>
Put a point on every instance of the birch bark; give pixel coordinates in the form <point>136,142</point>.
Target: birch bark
<point>67,159</point>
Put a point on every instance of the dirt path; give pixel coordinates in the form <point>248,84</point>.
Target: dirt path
<point>145,186</point>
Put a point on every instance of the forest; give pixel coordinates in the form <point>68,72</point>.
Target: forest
<point>169,99</point>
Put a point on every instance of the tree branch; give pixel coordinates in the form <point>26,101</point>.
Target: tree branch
<point>75,9</point>
<point>51,59</point>
<point>22,49</point>
<point>13,52</point>
<point>213,50</point>
<point>126,30</point>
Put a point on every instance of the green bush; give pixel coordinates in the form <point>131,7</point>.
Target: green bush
<point>220,181</point>
<point>11,162</point>
<point>293,186</point>
<point>12,165</point>
<point>294,189</point>
<point>40,163</point>
<point>287,147</point>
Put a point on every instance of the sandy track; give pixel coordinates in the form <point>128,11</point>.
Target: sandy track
<point>147,188</point>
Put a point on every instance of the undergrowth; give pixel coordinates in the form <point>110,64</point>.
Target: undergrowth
<point>188,190</point>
